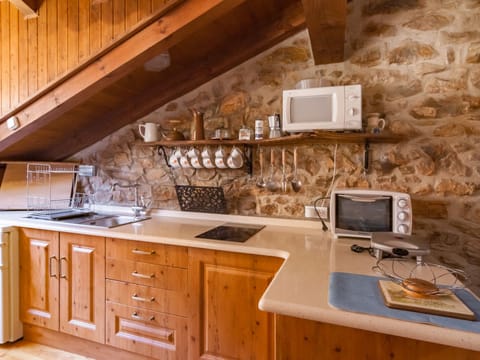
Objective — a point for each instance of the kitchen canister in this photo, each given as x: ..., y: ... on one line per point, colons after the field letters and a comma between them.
x: 258, y: 129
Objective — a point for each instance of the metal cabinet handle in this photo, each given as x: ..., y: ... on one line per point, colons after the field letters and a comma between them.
x: 142, y: 276
x: 139, y: 298
x: 50, y: 260
x: 143, y: 252
x: 62, y: 276
x: 138, y: 317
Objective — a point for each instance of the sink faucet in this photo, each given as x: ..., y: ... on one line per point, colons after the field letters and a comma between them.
x: 139, y: 206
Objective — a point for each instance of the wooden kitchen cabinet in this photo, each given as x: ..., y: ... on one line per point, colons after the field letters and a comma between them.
x: 62, y: 279
x: 147, y: 298
x: 313, y: 340
x: 225, y: 322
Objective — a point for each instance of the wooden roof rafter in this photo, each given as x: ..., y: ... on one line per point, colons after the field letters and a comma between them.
x: 326, y: 21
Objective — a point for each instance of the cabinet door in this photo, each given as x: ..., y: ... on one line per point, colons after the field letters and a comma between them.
x: 38, y: 277
x: 312, y: 340
x: 225, y: 320
x: 82, y: 286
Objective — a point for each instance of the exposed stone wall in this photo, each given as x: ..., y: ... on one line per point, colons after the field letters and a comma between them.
x: 419, y: 64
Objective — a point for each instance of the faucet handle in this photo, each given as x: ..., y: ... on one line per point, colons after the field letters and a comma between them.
x: 141, y: 208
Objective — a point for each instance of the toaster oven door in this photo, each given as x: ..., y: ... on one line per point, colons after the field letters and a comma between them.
x: 358, y: 215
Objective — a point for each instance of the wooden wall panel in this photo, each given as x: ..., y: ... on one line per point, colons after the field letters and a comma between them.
x: 14, y: 59
x: 22, y: 49
x: 42, y: 48
x: 5, y: 50
x: 32, y: 59
x: 39, y: 51
x: 95, y: 22
x: 52, y: 40
x: 62, y: 26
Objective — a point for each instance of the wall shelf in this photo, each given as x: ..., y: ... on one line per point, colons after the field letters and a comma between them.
x: 297, y: 139
x: 325, y: 137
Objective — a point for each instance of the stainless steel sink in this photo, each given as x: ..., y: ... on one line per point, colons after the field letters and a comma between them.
x: 91, y: 219
x: 104, y: 220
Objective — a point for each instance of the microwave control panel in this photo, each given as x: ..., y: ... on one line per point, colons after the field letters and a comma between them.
x: 353, y: 107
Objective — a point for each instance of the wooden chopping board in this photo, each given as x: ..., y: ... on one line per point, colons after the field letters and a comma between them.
x: 13, y: 187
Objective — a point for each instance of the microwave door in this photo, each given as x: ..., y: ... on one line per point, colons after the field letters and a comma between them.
x: 311, y: 109
x: 314, y: 112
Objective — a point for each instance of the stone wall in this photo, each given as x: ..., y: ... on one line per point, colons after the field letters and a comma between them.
x: 419, y: 64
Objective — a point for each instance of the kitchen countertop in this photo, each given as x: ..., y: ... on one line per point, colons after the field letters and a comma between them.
x: 300, y: 287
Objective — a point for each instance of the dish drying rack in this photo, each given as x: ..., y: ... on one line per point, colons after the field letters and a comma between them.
x: 41, y: 191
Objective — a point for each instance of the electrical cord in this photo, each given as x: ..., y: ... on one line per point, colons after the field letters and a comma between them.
x: 324, y: 226
x: 334, y: 174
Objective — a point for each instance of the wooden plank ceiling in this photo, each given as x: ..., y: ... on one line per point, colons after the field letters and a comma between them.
x: 204, y: 38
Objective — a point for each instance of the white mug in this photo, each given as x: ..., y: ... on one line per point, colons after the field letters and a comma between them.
x: 193, y: 153
x: 235, y: 162
x: 220, y: 153
x: 206, y: 152
x: 174, y: 162
x: 174, y: 159
x: 208, y: 162
x: 184, y: 162
x: 236, y: 153
x: 220, y: 163
x: 196, y: 162
x: 148, y: 131
x: 375, y: 124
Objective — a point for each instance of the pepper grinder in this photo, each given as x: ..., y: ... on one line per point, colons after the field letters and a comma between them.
x: 197, y: 126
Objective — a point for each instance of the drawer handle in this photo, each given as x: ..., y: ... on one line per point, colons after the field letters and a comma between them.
x: 143, y: 252
x: 139, y: 298
x: 138, y: 317
x: 142, y: 276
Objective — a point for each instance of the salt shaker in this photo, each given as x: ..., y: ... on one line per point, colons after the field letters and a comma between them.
x: 258, y: 129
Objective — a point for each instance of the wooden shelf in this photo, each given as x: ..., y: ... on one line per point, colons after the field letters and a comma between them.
x: 297, y: 139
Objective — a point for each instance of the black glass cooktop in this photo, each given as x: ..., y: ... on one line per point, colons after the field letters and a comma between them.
x: 231, y: 232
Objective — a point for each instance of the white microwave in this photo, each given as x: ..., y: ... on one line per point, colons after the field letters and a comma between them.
x: 361, y: 212
x: 337, y: 108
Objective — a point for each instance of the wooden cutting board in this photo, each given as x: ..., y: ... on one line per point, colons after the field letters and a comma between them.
x: 13, y: 186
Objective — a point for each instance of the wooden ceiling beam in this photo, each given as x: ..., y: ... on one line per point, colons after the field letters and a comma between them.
x: 326, y: 21
x: 187, y: 79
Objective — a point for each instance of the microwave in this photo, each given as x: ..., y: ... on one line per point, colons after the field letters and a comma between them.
x: 361, y: 212
x: 336, y: 108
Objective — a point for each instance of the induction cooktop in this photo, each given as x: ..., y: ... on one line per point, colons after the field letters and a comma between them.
x: 231, y: 232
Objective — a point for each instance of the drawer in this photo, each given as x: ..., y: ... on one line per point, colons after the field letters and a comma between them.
x: 159, y: 276
x: 146, y: 332
x: 166, y: 301
x: 147, y: 252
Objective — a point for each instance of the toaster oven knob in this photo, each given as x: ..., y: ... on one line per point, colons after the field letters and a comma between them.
x: 352, y: 111
x: 402, y: 215
x: 402, y: 229
x: 402, y: 203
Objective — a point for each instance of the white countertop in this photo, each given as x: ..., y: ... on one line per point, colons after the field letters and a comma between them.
x: 300, y: 287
